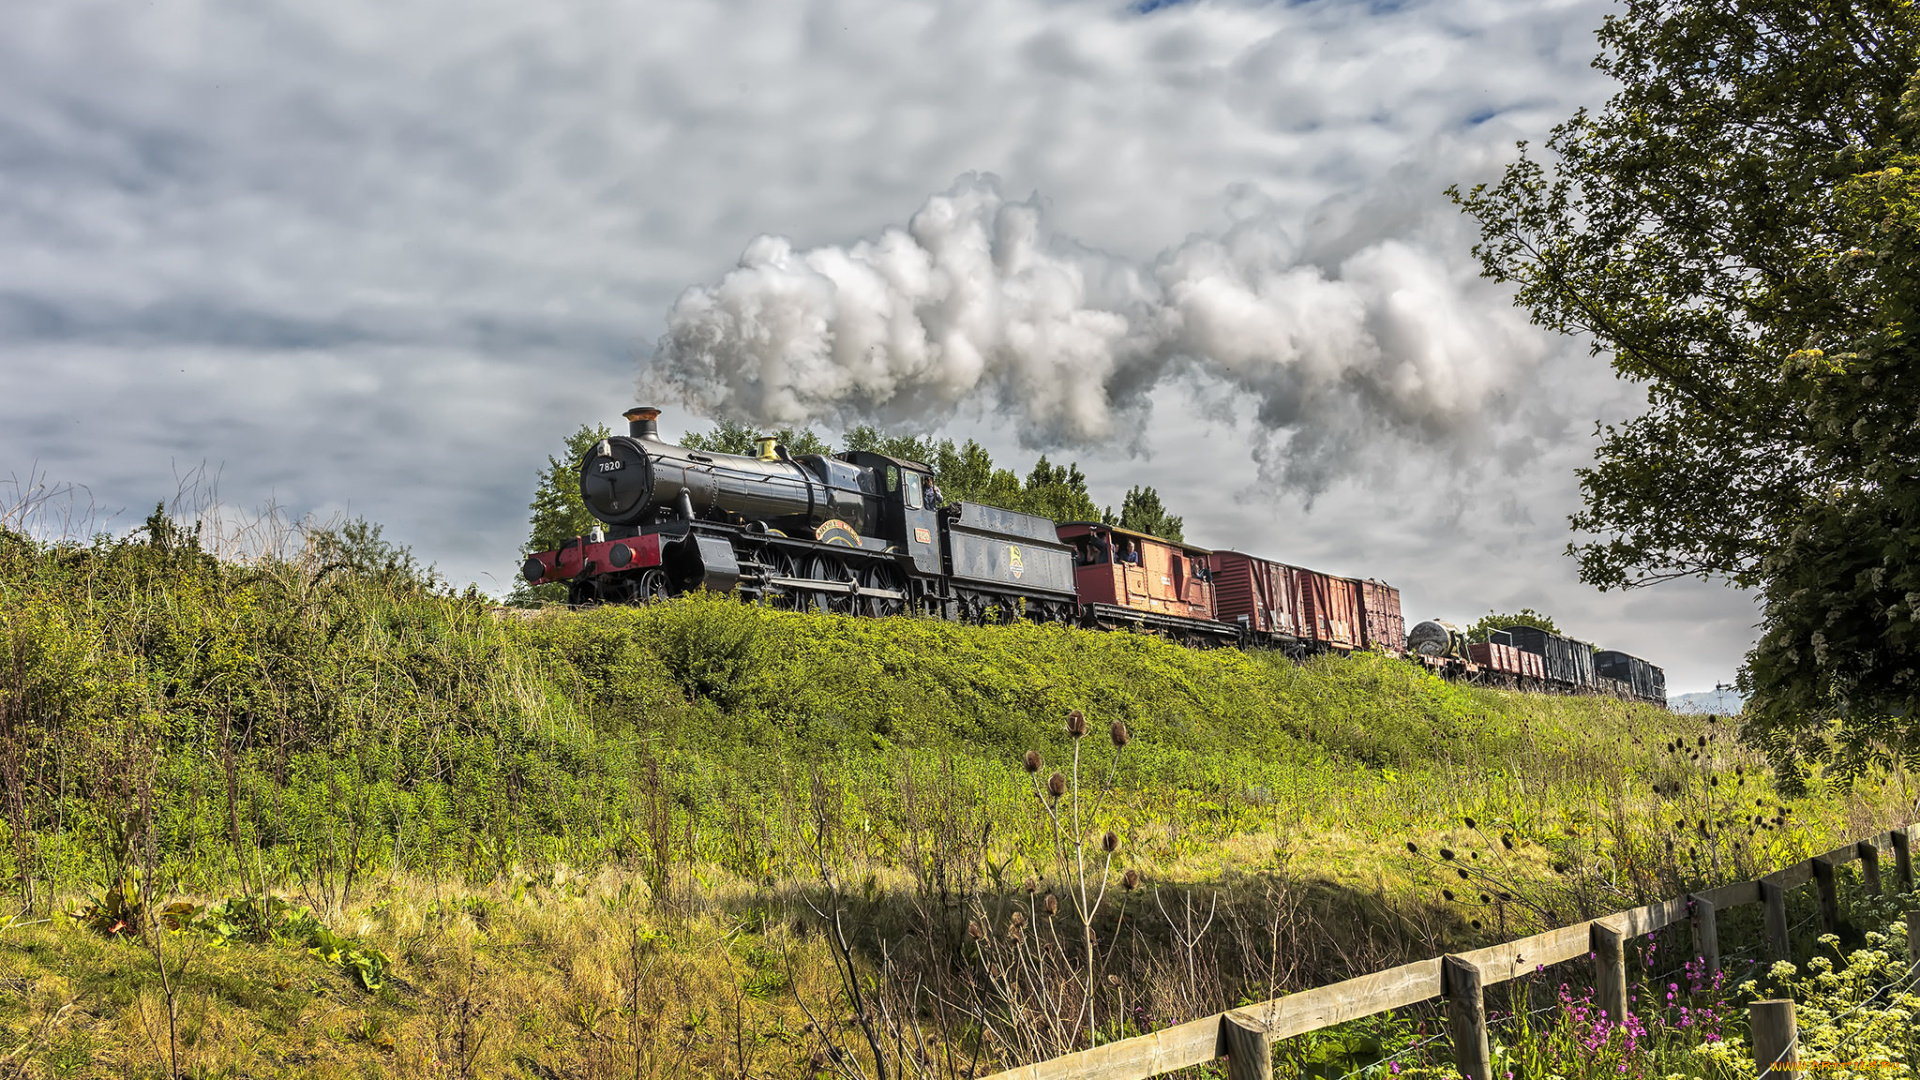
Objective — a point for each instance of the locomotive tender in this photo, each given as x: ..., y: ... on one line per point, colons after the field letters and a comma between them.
x: 865, y: 533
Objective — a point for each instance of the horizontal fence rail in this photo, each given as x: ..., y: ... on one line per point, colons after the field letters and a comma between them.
x: 1463, y: 977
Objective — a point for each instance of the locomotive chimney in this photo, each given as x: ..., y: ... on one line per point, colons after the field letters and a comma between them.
x: 643, y: 422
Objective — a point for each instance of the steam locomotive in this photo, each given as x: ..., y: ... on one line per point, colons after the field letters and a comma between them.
x: 857, y: 532
x: 865, y: 533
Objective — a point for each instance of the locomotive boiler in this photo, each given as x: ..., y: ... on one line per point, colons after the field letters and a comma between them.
x: 857, y: 532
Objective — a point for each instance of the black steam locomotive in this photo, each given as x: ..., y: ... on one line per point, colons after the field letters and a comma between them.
x: 856, y: 532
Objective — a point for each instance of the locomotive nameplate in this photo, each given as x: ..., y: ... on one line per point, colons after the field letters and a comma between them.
x: 835, y: 531
x: 923, y: 536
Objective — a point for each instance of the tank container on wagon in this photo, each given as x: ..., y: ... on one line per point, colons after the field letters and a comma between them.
x: 1330, y: 609
x: 1386, y: 627
x: 1262, y: 592
x: 1567, y: 661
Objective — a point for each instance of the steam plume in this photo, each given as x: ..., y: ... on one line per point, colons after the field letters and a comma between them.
x: 977, y: 303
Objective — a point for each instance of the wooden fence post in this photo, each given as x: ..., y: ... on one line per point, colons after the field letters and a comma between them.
x: 1776, y: 1039
x: 1610, y: 970
x: 1902, y: 860
x: 1913, y: 937
x: 1706, y: 935
x: 1249, y: 1050
x: 1775, y: 900
x: 1467, y: 1016
x: 1829, y: 896
x: 1870, y: 866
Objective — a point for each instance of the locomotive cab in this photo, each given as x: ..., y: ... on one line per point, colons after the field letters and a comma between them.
x: 905, y: 518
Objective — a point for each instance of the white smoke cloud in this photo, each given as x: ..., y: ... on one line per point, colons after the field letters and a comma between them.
x: 976, y: 303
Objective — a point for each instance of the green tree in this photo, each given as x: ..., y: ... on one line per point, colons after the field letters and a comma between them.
x: 1839, y: 651
x: 1058, y: 492
x: 905, y: 447
x: 1721, y: 230
x: 728, y: 437
x: 1483, y: 629
x: 559, y: 514
x: 1142, y: 511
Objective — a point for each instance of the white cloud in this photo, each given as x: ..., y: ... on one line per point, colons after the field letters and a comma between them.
x: 385, y: 255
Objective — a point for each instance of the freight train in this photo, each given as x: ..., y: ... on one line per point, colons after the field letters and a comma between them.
x: 865, y: 533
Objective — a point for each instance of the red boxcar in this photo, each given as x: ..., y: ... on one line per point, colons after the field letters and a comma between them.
x: 1386, y: 627
x: 1130, y: 578
x: 1330, y: 610
x: 1259, y: 594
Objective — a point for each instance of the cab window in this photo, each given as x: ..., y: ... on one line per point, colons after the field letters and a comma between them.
x: 913, y: 492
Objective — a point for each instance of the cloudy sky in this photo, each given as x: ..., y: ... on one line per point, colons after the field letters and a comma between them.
x: 380, y: 258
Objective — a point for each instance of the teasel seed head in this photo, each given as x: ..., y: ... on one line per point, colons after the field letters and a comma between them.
x: 1448, y: 893
x: 1033, y: 761
x: 1121, y: 736
x: 1050, y: 905
x: 1413, y: 848
x: 1056, y: 785
x: 1506, y: 841
x: 1109, y: 843
x: 1463, y: 873
x: 1446, y: 853
x: 1076, y: 723
x: 1130, y: 880
x: 974, y: 931
x: 1469, y: 822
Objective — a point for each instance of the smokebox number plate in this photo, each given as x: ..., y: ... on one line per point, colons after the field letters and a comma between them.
x: 612, y: 466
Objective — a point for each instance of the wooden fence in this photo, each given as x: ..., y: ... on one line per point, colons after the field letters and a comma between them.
x: 1245, y: 1036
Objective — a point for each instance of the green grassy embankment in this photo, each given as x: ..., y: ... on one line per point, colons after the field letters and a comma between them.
x: 601, y: 843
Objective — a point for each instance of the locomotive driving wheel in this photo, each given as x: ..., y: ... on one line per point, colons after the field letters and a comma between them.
x: 881, y: 575
x: 826, y: 568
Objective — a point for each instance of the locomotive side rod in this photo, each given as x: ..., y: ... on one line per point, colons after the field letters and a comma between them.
x: 849, y: 588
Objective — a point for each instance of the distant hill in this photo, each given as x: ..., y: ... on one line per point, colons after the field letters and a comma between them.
x: 1719, y: 702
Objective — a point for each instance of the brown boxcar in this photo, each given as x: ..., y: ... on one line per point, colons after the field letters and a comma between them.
x: 1330, y: 610
x: 1258, y: 594
x: 1386, y: 627
x: 1130, y: 578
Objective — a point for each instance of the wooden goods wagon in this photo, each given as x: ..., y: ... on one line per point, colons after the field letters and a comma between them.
x: 1260, y: 595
